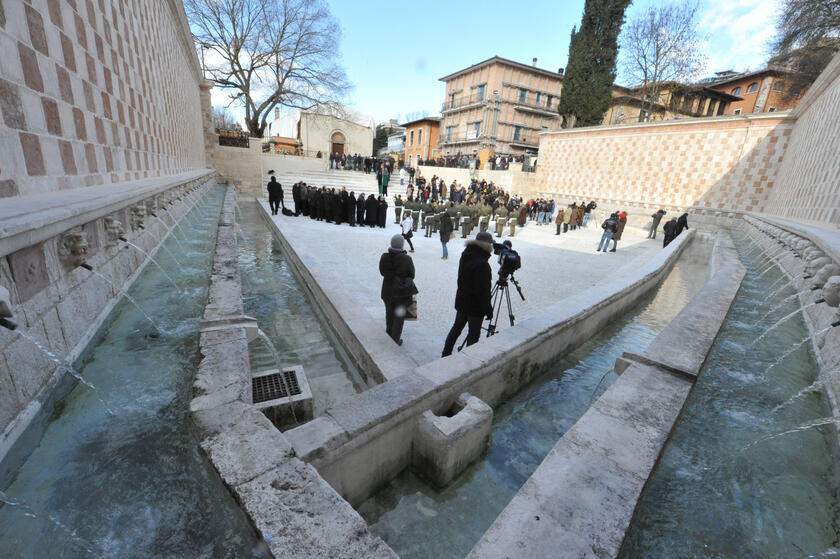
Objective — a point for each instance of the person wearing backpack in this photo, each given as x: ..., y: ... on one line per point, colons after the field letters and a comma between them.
x: 398, y: 287
x: 610, y: 226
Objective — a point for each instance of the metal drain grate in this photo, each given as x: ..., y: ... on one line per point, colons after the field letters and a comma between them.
x: 270, y: 387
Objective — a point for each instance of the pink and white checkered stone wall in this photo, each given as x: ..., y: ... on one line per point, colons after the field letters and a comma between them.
x: 724, y: 164
x: 787, y: 164
x: 808, y: 179
x: 95, y: 92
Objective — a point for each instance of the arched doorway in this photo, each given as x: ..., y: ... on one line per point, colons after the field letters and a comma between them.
x: 337, y: 142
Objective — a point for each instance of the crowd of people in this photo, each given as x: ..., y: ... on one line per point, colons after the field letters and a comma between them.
x: 356, y: 162
x: 339, y: 206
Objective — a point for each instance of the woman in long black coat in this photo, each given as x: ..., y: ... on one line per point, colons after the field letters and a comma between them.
x: 360, y: 209
x: 371, y: 210
x: 382, y: 214
x: 351, y: 209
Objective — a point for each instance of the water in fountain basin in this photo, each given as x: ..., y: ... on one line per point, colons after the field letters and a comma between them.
x: 280, y: 304
x: 169, y: 233
x: 815, y: 386
x: 268, y: 344
x: 134, y: 484
x: 419, y: 522
x: 128, y: 297
x: 782, y: 321
x: 777, y: 501
x: 153, y: 261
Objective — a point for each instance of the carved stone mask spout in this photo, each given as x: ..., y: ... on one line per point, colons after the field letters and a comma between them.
x: 73, y: 249
x: 138, y: 215
x: 113, y: 229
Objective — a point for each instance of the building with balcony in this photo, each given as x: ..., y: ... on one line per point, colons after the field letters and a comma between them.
x: 765, y: 91
x: 674, y: 100
x: 421, y: 140
x: 498, y: 106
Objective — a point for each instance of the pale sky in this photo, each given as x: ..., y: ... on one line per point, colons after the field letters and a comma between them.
x: 394, y: 54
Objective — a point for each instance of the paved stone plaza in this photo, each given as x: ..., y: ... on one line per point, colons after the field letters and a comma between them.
x: 553, y: 268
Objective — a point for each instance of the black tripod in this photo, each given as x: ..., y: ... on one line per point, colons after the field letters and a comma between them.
x: 501, y: 292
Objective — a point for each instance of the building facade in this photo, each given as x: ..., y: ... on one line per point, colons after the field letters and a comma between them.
x: 674, y: 101
x: 498, y: 106
x: 765, y: 91
x: 327, y: 129
x: 421, y: 140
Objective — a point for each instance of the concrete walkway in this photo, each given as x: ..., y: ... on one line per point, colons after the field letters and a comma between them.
x: 553, y: 268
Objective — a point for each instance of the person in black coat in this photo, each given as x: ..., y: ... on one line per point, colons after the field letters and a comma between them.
x: 360, y: 210
x: 342, y: 206
x: 396, y: 265
x: 275, y: 195
x: 382, y: 212
x: 670, y: 230
x: 371, y: 211
x: 319, y: 204
x: 682, y: 223
x: 351, y: 209
x: 472, y: 300
x: 296, y: 198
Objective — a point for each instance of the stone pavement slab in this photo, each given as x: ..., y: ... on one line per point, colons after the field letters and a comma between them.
x: 553, y: 268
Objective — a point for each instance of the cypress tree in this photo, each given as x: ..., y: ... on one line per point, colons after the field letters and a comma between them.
x: 590, y: 72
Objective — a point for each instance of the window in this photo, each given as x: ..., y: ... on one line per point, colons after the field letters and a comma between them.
x: 548, y: 100
x: 420, y: 137
x: 479, y: 92
x: 523, y: 94
x: 477, y: 127
x: 736, y: 112
x: 451, y: 100
x: 779, y: 85
x: 517, y: 130
x: 753, y: 87
x: 537, y: 100
x: 448, y: 133
x: 736, y: 91
x: 771, y: 109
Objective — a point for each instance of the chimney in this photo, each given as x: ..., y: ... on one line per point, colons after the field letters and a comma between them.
x: 276, y: 112
x: 534, y: 62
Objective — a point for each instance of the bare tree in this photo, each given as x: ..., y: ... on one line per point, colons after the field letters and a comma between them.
x: 808, y: 37
x: 660, y: 46
x: 223, y: 120
x: 269, y: 53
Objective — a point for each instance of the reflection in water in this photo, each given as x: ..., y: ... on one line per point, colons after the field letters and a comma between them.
x: 726, y: 485
x: 133, y: 484
x: 273, y: 297
x: 417, y: 521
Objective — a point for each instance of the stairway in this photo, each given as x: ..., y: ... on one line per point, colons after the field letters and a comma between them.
x: 355, y: 181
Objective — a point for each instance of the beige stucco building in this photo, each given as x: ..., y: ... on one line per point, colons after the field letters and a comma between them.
x: 326, y: 130
x: 499, y: 105
x: 674, y: 101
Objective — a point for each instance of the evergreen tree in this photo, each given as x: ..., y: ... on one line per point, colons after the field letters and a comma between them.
x: 590, y: 72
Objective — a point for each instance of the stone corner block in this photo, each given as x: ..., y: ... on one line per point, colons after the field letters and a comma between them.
x: 445, y: 445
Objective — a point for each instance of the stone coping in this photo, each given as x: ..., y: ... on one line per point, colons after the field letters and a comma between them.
x: 362, y: 443
x: 28, y: 220
x: 582, y: 497
x: 290, y: 506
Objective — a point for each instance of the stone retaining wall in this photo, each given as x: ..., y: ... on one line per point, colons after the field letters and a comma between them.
x: 582, y: 497
x: 59, y: 303
x: 296, y: 512
x: 364, y: 442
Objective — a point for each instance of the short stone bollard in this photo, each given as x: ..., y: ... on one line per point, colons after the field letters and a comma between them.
x: 444, y: 446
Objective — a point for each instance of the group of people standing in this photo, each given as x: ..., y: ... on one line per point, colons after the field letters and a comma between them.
x: 613, y: 228
x: 339, y: 206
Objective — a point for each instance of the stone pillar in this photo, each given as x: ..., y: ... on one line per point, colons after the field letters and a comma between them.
x: 210, y: 138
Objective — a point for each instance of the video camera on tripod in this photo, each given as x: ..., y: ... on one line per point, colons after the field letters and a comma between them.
x: 509, y: 262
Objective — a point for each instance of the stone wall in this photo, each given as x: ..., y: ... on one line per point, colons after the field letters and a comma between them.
x: 707, y: 165
x: 95, y: 93
x: 61, y: 304
x: 808, y: 179
x: 241, y: 166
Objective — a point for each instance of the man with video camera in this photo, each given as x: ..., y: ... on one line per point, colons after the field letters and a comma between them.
x: 472, y: 300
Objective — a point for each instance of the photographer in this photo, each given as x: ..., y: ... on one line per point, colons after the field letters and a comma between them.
x: 472, y: 300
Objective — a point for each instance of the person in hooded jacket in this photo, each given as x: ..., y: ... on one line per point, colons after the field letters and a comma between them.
x: 360, y: 209
x: 682, y: 223
x: 610, y: 226
x: 371, y: 211
x: 445, y: 233
x: 397, y: 269
x: 670, y: 230
x: 472, y: 300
